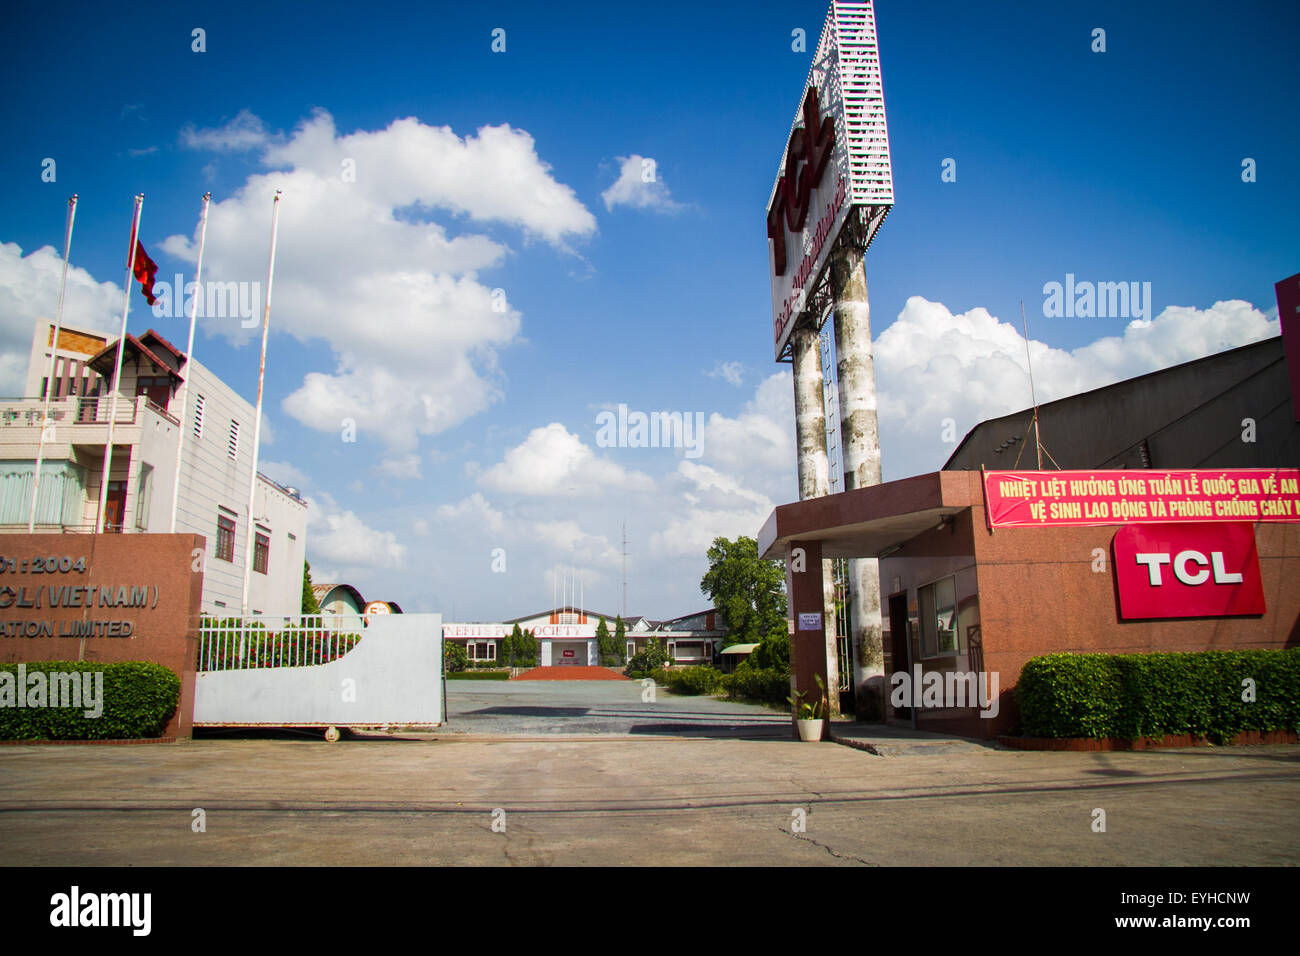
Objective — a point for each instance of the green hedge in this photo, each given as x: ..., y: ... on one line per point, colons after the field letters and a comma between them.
x: 702, y: 679
x: 768, y: 685
x: 1127, y: 696
x: 139, y: 697
x: 478, y: 675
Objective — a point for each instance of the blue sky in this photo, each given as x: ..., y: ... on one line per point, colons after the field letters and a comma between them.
x: 1116, y: 166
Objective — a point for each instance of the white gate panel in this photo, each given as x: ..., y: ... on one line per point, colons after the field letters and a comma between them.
x: 393, y: 676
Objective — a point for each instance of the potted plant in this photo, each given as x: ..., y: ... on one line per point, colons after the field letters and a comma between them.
x: 810, y: 716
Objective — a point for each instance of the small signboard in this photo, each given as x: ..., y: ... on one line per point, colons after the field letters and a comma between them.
x: 810, y: 622
x: 569, y: 654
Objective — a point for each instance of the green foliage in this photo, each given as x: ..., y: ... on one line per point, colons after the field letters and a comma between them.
x: 1127, y: 696
x: 478, y: 675
x: 139, y: 697
x: 690, y: 680
x: 228, y: 643
x: 648, y: 663
x: 810, y: 710
x: 456, y: 658
x: 612, y: 646
x: 519, y: 649
x: 773, y: 652
x: 764, y: 685
x: 749, y: 592
x: 309, y: 603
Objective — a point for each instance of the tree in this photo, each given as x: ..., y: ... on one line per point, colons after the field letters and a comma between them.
x: 620, y: 640
x: 513, y: 651
x: 748, y: 591
x: 309, y: 603
x: 605, y: 643
x: 457, y: 659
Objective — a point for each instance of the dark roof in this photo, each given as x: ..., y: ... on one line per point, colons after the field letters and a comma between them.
x: 154, y: 337
x: 105, y: 361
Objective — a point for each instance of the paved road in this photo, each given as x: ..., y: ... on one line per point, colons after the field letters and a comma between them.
x: 533, y: 708
x: 641, y: 801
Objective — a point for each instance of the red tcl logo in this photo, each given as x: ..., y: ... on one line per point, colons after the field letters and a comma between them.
x: 810, y: 147
x: 1208, y: 569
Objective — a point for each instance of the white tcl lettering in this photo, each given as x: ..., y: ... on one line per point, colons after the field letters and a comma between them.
x: 1181, y: 562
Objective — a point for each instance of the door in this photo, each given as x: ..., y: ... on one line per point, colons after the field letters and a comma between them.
x: 158, y: 389
x: 116, y: 506
x: 900, y: 646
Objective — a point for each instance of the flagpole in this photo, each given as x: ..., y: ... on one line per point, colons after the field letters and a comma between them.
x: 189, y: 357
x: 117, y: 370
x: 54, y: 348
x: 250, y: 537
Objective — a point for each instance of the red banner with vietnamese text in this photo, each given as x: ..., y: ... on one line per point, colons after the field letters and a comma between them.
x: 1029, y: 498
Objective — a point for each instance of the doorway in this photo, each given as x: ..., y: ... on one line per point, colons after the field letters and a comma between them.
x: 899, y: 645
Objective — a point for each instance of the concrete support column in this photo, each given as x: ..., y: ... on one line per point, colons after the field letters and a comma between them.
x: 814, y: 481
x: 860, y: 445
x: 804, y: 585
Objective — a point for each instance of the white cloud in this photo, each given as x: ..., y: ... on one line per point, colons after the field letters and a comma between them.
x: 29, y: 290
x: 285, y: 474
x: 732, y: 373
x: 707, y: 504
x: 639, y: 186
x: 361, y: 265
x: 932, y: 365
x: 403, y: 466
x: 553, y: 461
x: 246, y: 131
x: 759, y: 442
x: 340, y: 536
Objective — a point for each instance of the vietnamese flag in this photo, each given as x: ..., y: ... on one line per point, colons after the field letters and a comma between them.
x: 145, y: 271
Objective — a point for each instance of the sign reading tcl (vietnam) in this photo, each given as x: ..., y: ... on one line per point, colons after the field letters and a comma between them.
x: 1204, y: 569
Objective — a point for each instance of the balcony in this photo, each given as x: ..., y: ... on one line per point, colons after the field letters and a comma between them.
x: 73, y: 421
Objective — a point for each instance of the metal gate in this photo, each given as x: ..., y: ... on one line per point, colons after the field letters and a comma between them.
x: 329, y: 670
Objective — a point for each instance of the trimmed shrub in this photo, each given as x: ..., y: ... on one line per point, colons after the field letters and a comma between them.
x: 139, y: 697
x: 648, y: 663
x: 767, y: 685
x: 692, y: 680
x: 478, y: 675
x: 1127, y: 696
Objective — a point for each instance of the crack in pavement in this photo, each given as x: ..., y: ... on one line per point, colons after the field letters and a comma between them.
x: 839, y: 856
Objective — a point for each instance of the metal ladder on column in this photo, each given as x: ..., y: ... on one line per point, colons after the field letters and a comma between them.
x: 834, y: 458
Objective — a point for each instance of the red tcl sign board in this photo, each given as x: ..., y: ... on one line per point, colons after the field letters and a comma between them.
x: 1208, y: 569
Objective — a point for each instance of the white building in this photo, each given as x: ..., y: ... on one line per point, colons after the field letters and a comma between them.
x: 567, y: 635
x: 217, y: 462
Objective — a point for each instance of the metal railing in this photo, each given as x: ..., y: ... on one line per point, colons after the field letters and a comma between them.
x: 92, y: 410
x: 257, y: 642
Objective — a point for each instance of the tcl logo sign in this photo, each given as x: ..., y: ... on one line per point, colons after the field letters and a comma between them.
x: 806, y: 157
x: 1188, y: 570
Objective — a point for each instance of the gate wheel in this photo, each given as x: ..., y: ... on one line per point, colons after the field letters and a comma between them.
x: 332, y: 735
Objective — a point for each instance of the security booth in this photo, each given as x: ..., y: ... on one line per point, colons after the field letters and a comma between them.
x: 981, y: 571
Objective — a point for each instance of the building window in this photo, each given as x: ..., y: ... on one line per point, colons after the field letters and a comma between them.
x: 938, y: 606
x: 482, y: 650
x: 261, y: 551
x: 225, y: 536
x: 143, y: 494
x: 232, y: 447
x: 198, y: 416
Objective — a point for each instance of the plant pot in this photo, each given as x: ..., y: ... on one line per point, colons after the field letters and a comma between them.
x: 810, y: 730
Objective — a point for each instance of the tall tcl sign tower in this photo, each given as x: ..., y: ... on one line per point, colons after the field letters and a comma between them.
x: 833, y: 189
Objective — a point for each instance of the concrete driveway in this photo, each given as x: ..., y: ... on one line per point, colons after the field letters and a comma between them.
x: 543, y: 708
x: 640, y: 801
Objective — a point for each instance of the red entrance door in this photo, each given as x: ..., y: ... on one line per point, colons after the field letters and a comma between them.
x: 116, y: 506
